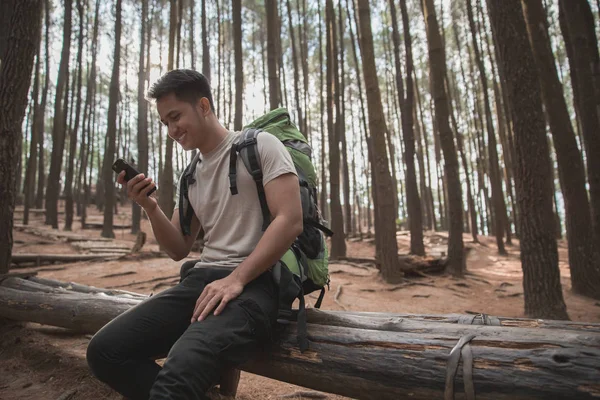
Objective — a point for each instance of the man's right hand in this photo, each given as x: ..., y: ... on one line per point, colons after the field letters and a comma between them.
x: 137, y: 190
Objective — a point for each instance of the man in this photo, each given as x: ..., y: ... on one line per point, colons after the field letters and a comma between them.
x: 227, y: 305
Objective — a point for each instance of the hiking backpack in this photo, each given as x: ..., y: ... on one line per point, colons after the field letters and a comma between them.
x: 304, y: 267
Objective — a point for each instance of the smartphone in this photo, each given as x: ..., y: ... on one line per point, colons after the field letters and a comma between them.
x: 130, y: 172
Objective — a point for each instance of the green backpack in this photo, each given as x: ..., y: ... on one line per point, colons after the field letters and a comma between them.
x: 304, y: 267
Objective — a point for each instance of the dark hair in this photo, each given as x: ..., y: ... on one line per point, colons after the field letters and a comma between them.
x: 187, y: 85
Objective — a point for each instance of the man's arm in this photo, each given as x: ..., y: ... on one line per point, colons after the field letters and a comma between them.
x: 283, y: 198
x: 167, y: 233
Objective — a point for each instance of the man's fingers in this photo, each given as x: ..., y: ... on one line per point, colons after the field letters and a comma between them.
x: 209, y: 307
x: 133, y: 181
x: 149, y: 187
x: 197, y: 310
x: 222, y: 305
x: 121, y: 178
x: 201, y: 304
x: 138, y: 187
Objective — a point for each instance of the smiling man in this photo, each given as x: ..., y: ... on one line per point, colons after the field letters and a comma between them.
x: 226, y: 306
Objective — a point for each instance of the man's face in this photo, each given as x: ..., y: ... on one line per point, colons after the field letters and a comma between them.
x: 184, y: 121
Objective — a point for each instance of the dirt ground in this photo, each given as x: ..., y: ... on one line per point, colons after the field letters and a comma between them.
x: 41, y: 362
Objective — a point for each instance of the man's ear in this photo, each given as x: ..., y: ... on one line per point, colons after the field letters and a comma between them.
x: 205, y: 106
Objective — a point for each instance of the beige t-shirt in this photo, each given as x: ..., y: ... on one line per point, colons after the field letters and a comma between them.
x: 232, y: 224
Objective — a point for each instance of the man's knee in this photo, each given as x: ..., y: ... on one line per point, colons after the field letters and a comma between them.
x: 98, y: 358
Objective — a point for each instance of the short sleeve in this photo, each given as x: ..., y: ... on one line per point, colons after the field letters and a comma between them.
x: 274, y: 157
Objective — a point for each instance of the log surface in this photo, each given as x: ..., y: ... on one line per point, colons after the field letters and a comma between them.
x: 370, y: 355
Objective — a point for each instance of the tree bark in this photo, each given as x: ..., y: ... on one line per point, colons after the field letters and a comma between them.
x: 205, y: 47
x: 165, y: 196
x: 272, y: 32
x: 539, y: 254
x: 406, y: 106
x: 113, y: 100
x: 338, y: 242
x: 74, y: 129
x: 391, y: 347
x: 239, y: 69
x: 192, y: 39
x: 583, y: 256
x: 323, y: 195
x: 29, y: 186
x: 298, y: 105
x: 431, y: 221
x: 437, y: 59
x: 385, y: 227
x: 59, y: 124
x: 497, y: 195
x: 41, y: 181
x: 347, y: 210
x: 142, y: 117
x: 15, y: 79
x: 577, y: 25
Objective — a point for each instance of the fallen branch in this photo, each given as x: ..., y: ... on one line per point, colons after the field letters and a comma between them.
x: 351, y: 264
x: 380, y: 355
x: 38, y: 259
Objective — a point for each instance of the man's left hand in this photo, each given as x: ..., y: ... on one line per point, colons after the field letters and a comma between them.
x: 217, y: 294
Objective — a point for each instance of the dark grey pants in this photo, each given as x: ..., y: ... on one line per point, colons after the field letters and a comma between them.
x: 123, y: 353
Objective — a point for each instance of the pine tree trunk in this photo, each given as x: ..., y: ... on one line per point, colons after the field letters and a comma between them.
x: 298, y: 105
x: 323, y: 196
x: 577, y: 25
x: 165, y: 197
x: 431, y: 223
x: 59, y: 125
x: 338, y: 243
x: 437, y: 59
x: 472, y: 220
x: 342, y: 126
x: 385, y: 227
x: 539, y: 254
x: 33, y: 144
x: 503, y: 127
x: 363, y: 115
x: 41, y: 181
x: 113, y: 100
x: 391, y: 106
x: 142, y: 120
x: 192, y: 39
x: 91, y: 100
x: 304, y: 60
x: 272, y: 32
x: 205, y: 47
x: 407, y: 105
x: 179, y: 18
x: 74, y: 129
x: 15, y: 79
x: 239, y: 71
x: 497, y: 195
x: 583, y: 256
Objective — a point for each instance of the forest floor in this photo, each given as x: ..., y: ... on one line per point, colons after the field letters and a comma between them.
x: 40, y: 362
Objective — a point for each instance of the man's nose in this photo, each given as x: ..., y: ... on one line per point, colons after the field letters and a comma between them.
x: 172, y: 129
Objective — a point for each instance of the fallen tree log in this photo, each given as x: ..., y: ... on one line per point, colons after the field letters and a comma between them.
x: 57, y: 235
x: 377, y: 355
x: 100, y: 225
x: 410, y: 265
x: 38, y: 259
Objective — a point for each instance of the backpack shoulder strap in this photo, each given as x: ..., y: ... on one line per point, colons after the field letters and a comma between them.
x: 186, y: 212
x: 247, y: 147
